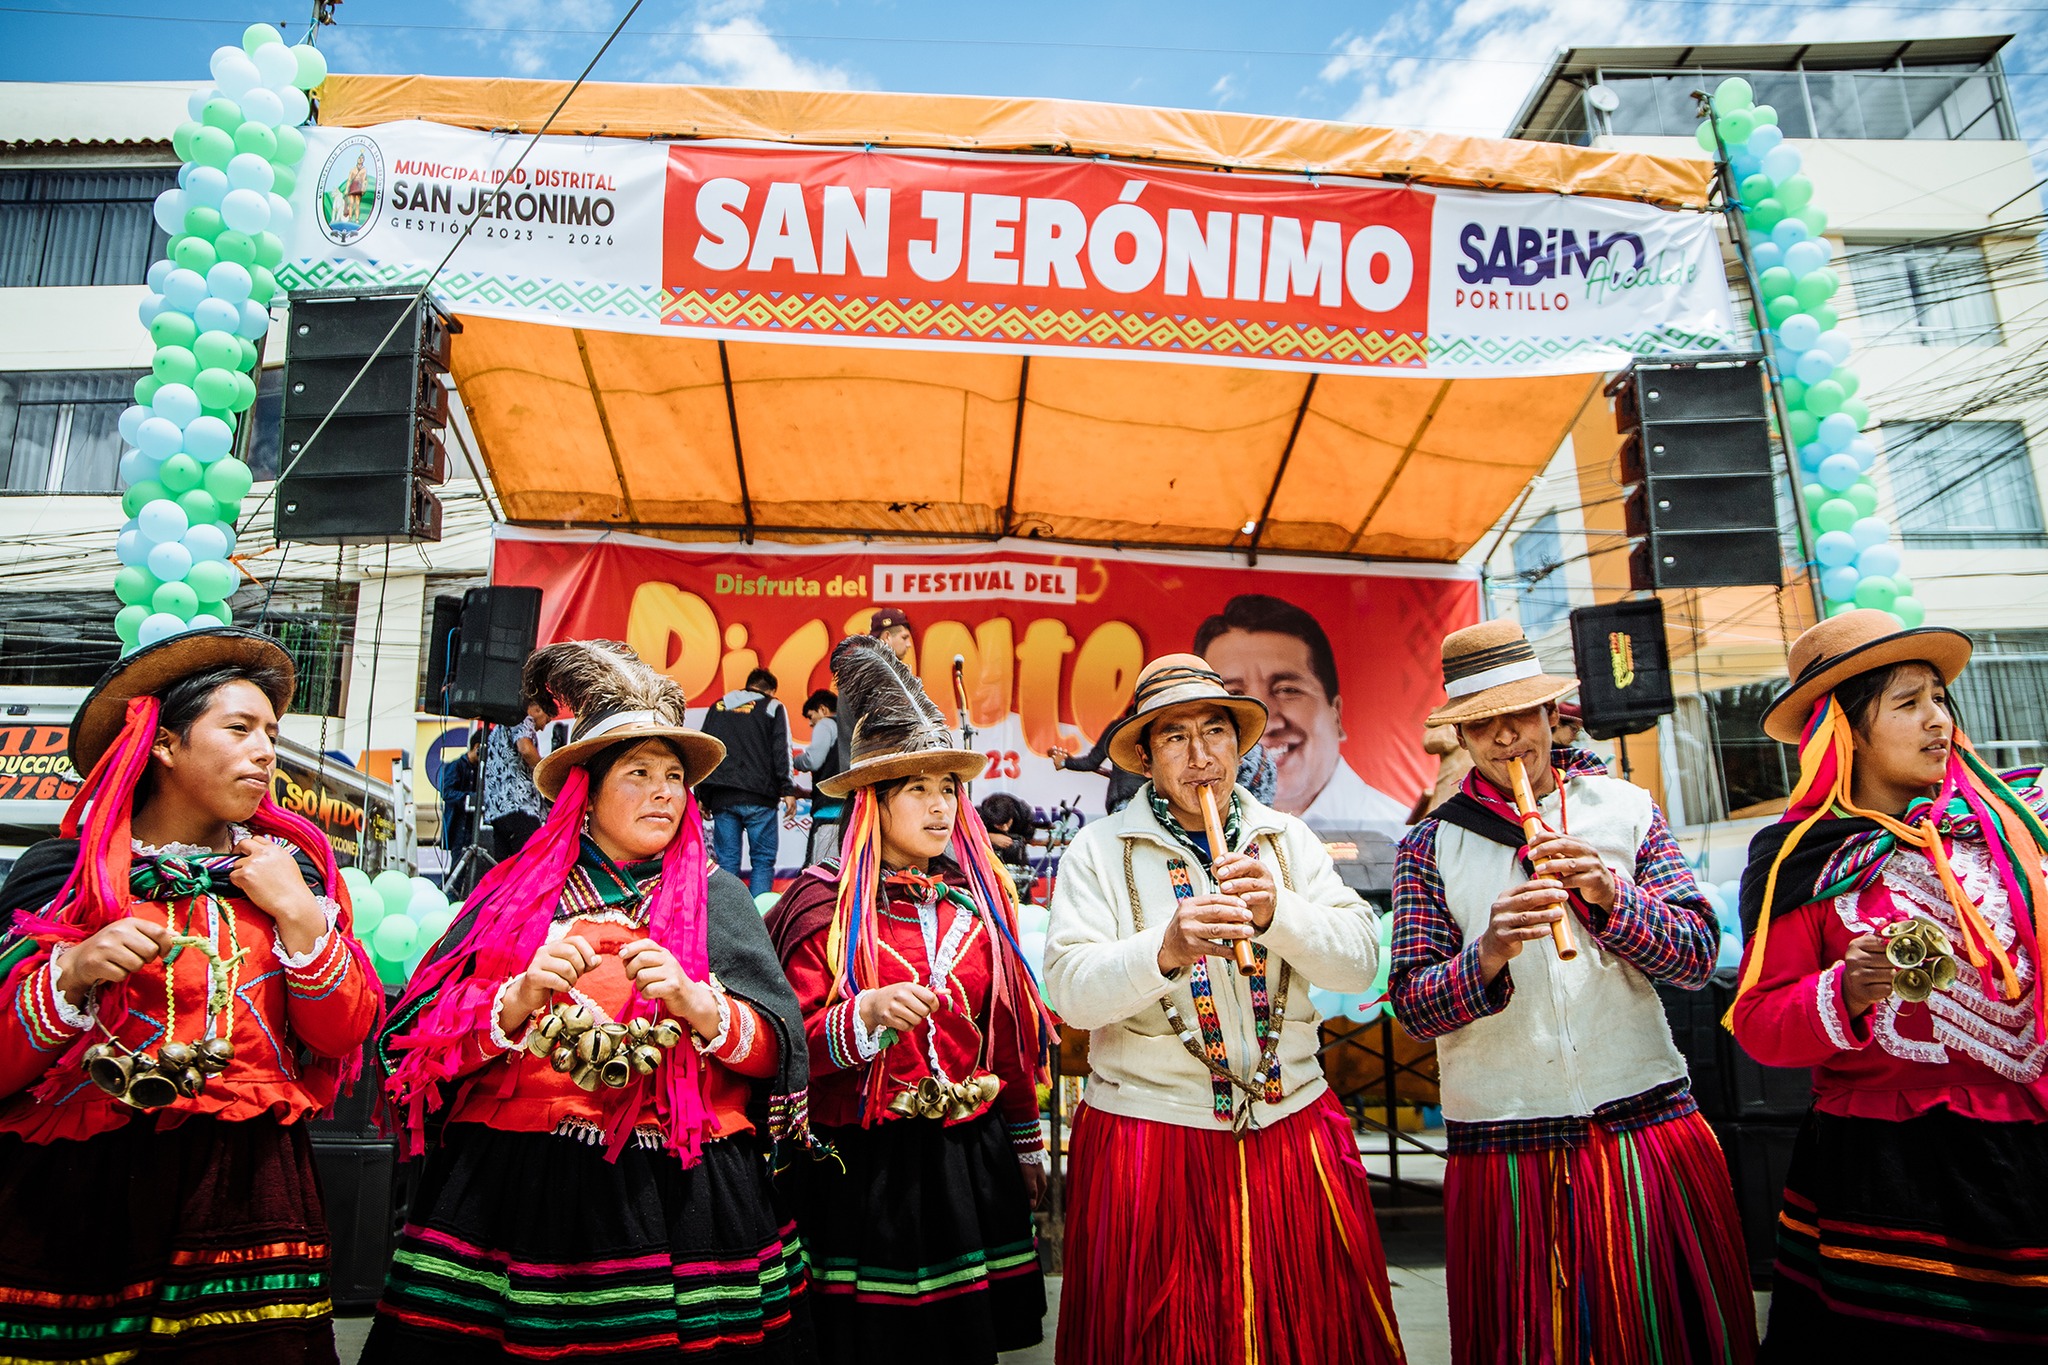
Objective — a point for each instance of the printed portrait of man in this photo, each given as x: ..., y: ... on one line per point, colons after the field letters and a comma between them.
x: 1268, y: 648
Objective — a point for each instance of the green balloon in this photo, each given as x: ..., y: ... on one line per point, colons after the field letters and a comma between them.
x: 145, y: 391
x: 175, y: 599
x: 128, y: 623
x: 1805, y: 426
x: 1836, y: 514
x: 1764, y: 215
x: 199, y: 506
x: 247, y: 362
x: 269, y: 249
x: 174, y: 365
x: 1824, y: 399
x: 1863, y: 494
x: 134, y: 586
x: 259, y: 35
x: 433, y: 924
x: 1903, y: 584
x: 1815, y: 494
x: 256, y: 140
x: 1780, y: 308
x: 262, y: 285
x: 396, y: 935
x: 1848, y: 379
x: 238, y: 247
x: 1795, y: 192
x: 389, y: 972
x: 1909, y: 611
x: 1840, y: 608
x: 223, y: 114
x: 172, y: 328
x: 1817, y: 287
x: 195, y: 254
x: 291, y: 147
x: 203, y: 223
x: 395, y: 889
x: 1704, y: 135
x: 1795, y: 392
x: 1755, y: 188
x: 1826, y: 317
x: 1736, y: 127
x: 180, y: 474
x: 245, y: 394
x: 212, y: 147
x: 1777, y: 282
x: 1875, y: 591
x: 212, y: 580
x: 141, y: 495
x: 1732, y: 94
x: 1858, y: 410
x: 312, y: 67
x: 182, y: 138
x: 228, y: 480
x: 216, y: 388
x: 366, y: 909
x: 217, y: 350
x: 1816, y: 221
x: 225, y: 414
x: 1764, y: 114
x: 284, y: 179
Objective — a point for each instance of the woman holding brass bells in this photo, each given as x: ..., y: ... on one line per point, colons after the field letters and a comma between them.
x: 925, y: 1033
x: 1897, y: 912
x: 183, y: 990
x: 614, y: 1055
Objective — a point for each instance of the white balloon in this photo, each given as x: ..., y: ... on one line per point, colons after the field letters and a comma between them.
x: 245, y: 211
x: 131, y: 549
x: 160, y: 437
x: 170, y: 561
x: 248, y: 171
x: 206, y: 186
x: 131, y: 420
x: 228, y: 282
x: 159, y: 272
x: 1835, y: 345
x: 183, y: 289
x: 280, y: 214
x: 235, y: 74
x: 260, y: 104
x: 158, y: 625
x: 169, y: 211
x: 208, y: 438
x: 217, y: 315
x: 151, y: 305
x: 205, y: 541
x: 277, y: 64
x: 195, y: 103
x: 255, y: 320
x: 296, y: 108
x: 206, y: 620
x: 177, y: 404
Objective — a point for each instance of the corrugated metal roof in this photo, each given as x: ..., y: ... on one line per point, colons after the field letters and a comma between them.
x: 90, y: 113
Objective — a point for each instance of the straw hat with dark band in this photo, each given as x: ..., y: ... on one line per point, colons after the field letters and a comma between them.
x: 153, y: 669
x: 1491, y: 670
x: 618, y: 699
x: 896, y: 730
x: 1180, y: 680
x: 1829, y: 654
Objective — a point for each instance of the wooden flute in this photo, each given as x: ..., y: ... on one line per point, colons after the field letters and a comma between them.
x: 1532, y: 830
x: 1217, y: 848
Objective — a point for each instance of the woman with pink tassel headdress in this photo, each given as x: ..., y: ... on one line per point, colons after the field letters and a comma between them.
x: 596, y: 1061
x: 926, y: 1033
x: 182, y: 990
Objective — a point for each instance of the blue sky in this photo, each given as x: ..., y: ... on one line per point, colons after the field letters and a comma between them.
x: 1460, y: 67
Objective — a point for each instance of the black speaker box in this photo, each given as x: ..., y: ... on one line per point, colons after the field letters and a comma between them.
x: 442, y: 636
x: 345, y: 509
x: 387, y: 443
x: 500, y: 626
x: 365, y: 1198
x: 1729, y: 1085
x: 1624, y: 669
x: 1759, y: 1156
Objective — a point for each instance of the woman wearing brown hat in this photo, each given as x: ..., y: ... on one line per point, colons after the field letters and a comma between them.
x: 1587, y: 1208
x: 1898, y: 912
x: 612, y: 1050
x: 926, y: 1035
x: 182, y: 991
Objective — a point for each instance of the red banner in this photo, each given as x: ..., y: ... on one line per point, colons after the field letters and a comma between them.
x: 1347, y: 661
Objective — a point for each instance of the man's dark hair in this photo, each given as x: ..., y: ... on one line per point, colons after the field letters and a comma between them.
x: 476, y: 737
x: 824, y: 699
x: 1255, y: 611
x: 1859, y: 695
x: 1007, y: 814
x: 185, y: 701
x: 761, y: 680
x: 1145, y: 730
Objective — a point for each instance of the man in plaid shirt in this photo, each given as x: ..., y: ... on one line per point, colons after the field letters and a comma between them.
x: 1587, y: 1206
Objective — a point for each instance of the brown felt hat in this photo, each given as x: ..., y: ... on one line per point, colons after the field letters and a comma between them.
x: 1181, y: 680
x: 1837, y: 649
x: 153, y: 668
x: 895, y: 729
x: 1491, y: 670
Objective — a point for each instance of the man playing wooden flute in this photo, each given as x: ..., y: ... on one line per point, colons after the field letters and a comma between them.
x: 1217, y: 1212
x: 1587, y: 1208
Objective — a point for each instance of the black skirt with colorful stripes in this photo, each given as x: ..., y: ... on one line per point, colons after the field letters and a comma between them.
x: 922, y: 1244
x: 1919, y: 1239
x: 533, y: 1247
x: 199, y: 1241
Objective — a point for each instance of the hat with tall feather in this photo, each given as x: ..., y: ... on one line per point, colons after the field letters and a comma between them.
x: 897, y: 730
x: 617, y: 698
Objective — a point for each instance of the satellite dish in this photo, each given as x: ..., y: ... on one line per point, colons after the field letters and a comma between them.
x: 1603, y: 98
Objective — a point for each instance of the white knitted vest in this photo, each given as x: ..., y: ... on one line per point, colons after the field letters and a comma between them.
x: 1576, y: 1035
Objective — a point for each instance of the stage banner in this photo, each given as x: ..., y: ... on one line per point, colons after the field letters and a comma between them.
x: 1018, y: 254
x: 1050, y: 647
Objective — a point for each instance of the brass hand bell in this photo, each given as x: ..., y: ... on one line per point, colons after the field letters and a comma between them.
x: 646, y: 1057
x: 616, y: 1071
x: 108, y: 1067
x: 214, y: 1055
x: 148, y: 1087
x: 1922, y: 958
x: 666, y: 1033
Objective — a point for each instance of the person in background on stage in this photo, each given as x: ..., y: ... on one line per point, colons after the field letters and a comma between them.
x: 601, y: 1053
x: 927, y: 1039
x: 1569, y: 725
x: 891, y: 625
x: 1915, y: 1224
x: 457, y: 785
x: 752, y: 781
x: 1011, y: 827
x: 1217, y: 1211
x: 182, y: 992
x: 1123, y: 784
x: 1587, y: 1208
x: 821, y: 759
x: 513, y: 806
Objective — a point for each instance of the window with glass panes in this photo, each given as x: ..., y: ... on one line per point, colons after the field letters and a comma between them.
x: 1944, y: 102
x: 80, y: 227
x: 1923, y: 294
x: 1959, y: 485
x: 1540, y: 595
x: 59, y: 429
x: 2001, y: 699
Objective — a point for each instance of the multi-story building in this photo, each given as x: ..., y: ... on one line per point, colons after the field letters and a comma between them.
x: 1934, y: 215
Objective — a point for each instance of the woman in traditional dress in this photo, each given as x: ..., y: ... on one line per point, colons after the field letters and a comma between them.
x: 925, y: 1033
x: 182, y: 991
x: 607, y: 1049
x: 1897, y: 913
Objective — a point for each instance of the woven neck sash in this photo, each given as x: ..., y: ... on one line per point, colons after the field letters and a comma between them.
x: 1232, y: 824
x: 171, y: 877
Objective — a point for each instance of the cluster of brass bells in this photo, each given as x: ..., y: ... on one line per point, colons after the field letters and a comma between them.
x: 178, y: 1071
x: 1923, y: 960
x: 590, y: 1053
x: 936, y: 1099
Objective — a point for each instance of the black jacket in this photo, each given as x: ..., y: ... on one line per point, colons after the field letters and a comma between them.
x: 756, y: 771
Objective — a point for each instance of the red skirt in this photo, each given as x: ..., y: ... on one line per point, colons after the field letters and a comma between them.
x: 1189, y: 1246
x: 1625, y: 1249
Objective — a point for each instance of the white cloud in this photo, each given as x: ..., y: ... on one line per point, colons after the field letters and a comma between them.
x: 534, y: 44
x: 730, y: 45
x: 1225, y: 88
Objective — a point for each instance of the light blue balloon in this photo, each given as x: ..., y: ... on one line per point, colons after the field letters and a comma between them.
x: 208, y: 185
x: 248, y: 171
x: 159, y: 438
x: 1835, y: 549
x: 1767, y: 254
x: 162, y: 521
x: 255, y: 320
x: 1814, y: 365
x: 151, y: 305
x: 137, y: 467
x: 158, y: 272
x: 1799, y: 331
x: 159, y: 625
x: 131, y: 420
x: 1837, y: 472
x: 1835, y: 344
x: 131, y: 549
x: 1789, y: 233
x: 176, y: 403
x: 1767, y: 138
x: 1839, y: 583
x: 280, y: 214
x: 1811, y: 455
x: 1863, y: 452
x: 216, y: 314
x: 183, y: 289
x: 1879, y: 561
x: 1869, y: 531
x: 208, y: 438
x: 229, y: 283
x: 1730, y: 954
x: 1805, y: 257
x: 1838, y: 431
x: 206, y: 542
x: 170, y: 561
x: 1744, y: 162
x: 1782, y: 162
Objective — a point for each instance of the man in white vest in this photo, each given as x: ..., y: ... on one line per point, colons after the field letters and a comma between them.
x: 1587, y: 1206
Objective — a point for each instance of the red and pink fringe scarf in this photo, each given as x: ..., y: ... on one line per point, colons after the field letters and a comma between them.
x: 1019, y: 1022
x: 514, y: 906
x: 2015, y: 838
x: 96, y: 894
